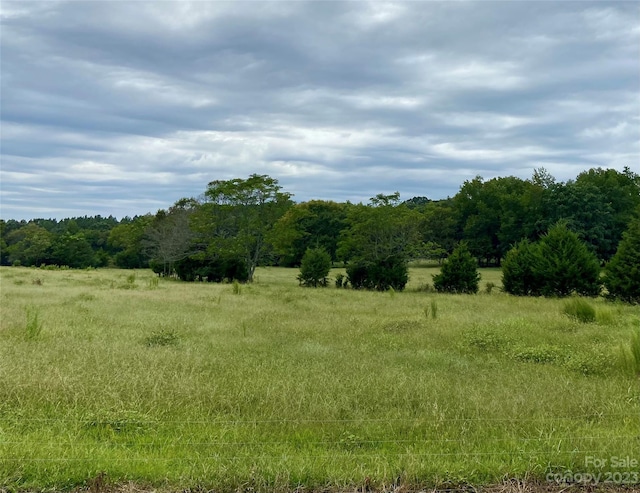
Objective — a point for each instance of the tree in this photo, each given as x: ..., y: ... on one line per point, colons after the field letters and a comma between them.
x: 316, y: 264
x: 308, y: 225
x: 169, y: 237
x: 379, y: 240
x: 518, y: 270
x: 29, y: 245
x: 492, y: 215
x: 559, y: 264
x: 72, y: 250
x: 459, y: 274
x: 565, y: 264
x: 126, y: 240
x: 238, y: 215
x: 622, y: 273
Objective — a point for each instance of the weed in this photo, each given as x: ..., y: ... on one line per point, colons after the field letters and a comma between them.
x: 540, y: 354
x: 630, y: 354
x: 34, y: 325
x: 487, y: 340
x: 36, y: 282
x: 580, y: 309
x: 340, y: 281
x: 162, y: 338
x: 153, y: 283
x: 589, y: 364
x: 489, y: 287
x: 236, y: 287
x: 431, y: 310
x: 18, y: 282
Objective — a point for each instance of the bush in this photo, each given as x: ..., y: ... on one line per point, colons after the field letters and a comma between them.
x: 315, y: 266
x: 558, y: 265
x: 381, y: 275
x: 565, y: 264
x: 459, y: 274
x: 622, y: 274
x: 518, y: 276
x: 218, y: 269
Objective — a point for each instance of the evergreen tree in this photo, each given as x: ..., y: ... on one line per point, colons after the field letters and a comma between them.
x: 622, y: 274
x: 459, y: 274
x: 315, y: 266
x: 518, y: 275
x: 565, y: 264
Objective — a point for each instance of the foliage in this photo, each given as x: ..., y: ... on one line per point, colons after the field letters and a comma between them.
x: 380, y: 239
x: 518, y: 270
x: 622, y: 273
x: 73, y: 250
x: 459, y: 274
x: 316, y: 264
x: 558, y: 265
x: 564, y: 264
x: 168, y: 238
x: 381, y: 275
x: 238, y: 215
x: 305, y: 225
x: 201, y: 267
x: 126, y: 242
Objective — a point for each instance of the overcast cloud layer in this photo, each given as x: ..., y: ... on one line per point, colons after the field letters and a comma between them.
x: 114, y: 107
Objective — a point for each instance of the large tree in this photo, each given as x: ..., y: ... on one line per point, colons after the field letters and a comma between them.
x: 379, y: 240
x: 168, y: 238
x: 312, y: 224
x: 237, y: 216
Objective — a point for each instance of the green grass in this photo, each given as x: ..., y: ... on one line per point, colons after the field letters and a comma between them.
x: 270, y: 386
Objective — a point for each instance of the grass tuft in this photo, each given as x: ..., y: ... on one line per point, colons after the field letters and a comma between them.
x: 33, y: 327
x: 579, y: 309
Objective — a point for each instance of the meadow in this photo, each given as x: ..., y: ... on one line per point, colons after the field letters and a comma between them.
x: 126, y: 377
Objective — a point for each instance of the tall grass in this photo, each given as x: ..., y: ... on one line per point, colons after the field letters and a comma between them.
x: 191, y: 386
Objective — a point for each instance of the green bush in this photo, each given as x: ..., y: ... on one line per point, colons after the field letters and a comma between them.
x: 314, y: 268
x: 518, y: 276
x: 622, y: 274
x: 459, y: 274
x: 558, y: 265
x: 381, y: 275
x: 566, y: 265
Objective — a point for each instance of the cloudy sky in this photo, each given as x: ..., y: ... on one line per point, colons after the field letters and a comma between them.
x: 123, y: 107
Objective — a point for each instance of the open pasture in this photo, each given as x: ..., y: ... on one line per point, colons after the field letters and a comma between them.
x: 271, y: 386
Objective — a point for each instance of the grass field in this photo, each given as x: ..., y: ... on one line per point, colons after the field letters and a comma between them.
x: 270, y: 386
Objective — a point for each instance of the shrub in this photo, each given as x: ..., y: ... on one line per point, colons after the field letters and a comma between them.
x: 219, y: 269
x: 580, y: 309
x: 315, y: 266
x: 518, y: 275
x: 459, y: 274
x: 622, y: 274
x: 384, y: 274
x: 558, y: 265
x: 565, y: 264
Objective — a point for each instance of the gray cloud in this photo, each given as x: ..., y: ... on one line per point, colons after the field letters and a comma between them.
x: 124, y: 107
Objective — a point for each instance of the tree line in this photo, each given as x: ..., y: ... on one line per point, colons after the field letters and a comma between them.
x: 237, y: 225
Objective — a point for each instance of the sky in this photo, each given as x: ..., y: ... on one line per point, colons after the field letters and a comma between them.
x: 123, y: 107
